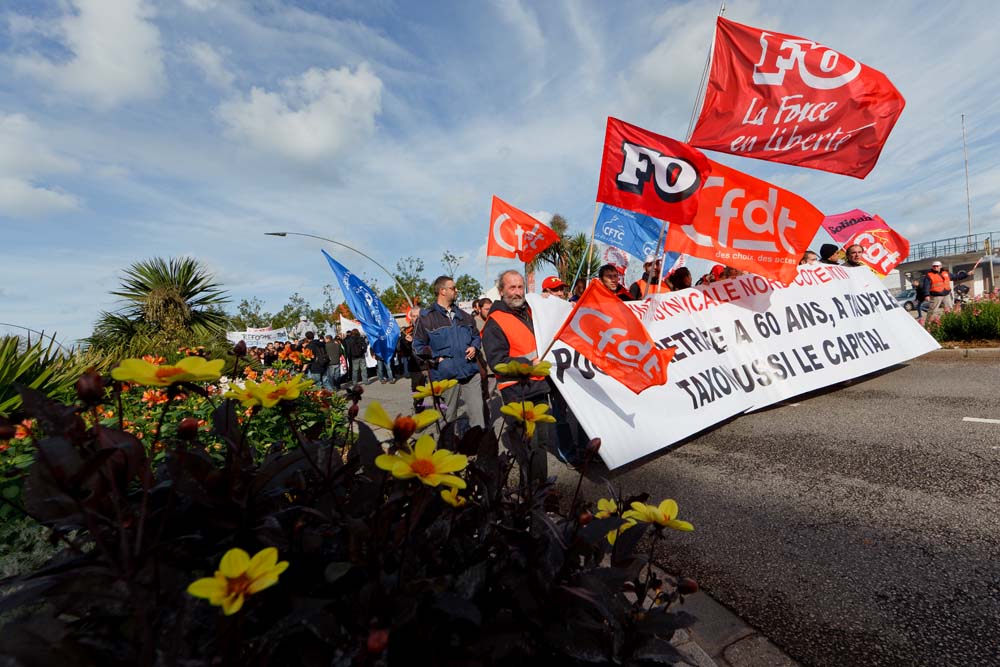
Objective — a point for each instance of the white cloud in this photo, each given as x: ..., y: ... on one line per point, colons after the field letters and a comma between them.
x: 20, y: 199
x: 314, y: 117
x: 524, y: 22
x: 116, y: 54
x: 211, y: 64
x: 23, y: 150
x: 24, y: 158
x: 201, y: 5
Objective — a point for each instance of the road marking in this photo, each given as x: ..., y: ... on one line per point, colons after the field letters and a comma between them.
x: 979, y: 420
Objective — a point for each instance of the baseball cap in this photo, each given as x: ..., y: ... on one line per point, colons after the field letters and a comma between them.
x: 552, y: 282
x: 717, y: 270
x: 935, y: 263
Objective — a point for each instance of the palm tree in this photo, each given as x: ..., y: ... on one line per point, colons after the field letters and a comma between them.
x: 167, y: 302
x: 567, y: 254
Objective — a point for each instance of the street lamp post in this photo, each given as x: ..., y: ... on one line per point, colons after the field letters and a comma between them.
x: 344, y: 245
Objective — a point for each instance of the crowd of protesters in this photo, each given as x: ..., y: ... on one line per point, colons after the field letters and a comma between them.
x: 444, y: 342
x: 333, y: 361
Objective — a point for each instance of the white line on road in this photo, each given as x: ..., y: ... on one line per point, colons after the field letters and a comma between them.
x: 979, y: 420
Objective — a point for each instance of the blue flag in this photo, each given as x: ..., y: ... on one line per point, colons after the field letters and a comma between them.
x: 379, y: 326
x: 633, y: 232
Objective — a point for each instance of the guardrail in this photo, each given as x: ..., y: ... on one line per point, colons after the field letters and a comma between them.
x: 985, y: 243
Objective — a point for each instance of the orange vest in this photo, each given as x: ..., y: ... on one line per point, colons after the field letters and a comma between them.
x: 521, y: 340
x: 653, y: 289
x: 940, y: 282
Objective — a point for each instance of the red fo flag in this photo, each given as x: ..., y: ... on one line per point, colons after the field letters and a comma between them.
x: 649, y: 173
x: 748, y: 224
x: 606, y: 331
x: 884, y: 248
x: 514, y: 233
x: 786, y: 99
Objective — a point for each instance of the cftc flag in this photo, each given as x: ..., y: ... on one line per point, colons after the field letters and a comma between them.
x: 379, y: 326
x: 633, y: 232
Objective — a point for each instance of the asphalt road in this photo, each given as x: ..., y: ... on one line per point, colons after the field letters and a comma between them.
x: 857, y: 526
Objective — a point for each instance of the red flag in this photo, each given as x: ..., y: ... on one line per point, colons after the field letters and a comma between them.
x: 884, y: 248
x: 748, y: 224
x: 649, y: 173
x: 514, y: 233
x: 786, y: 99
x: 606, y: 331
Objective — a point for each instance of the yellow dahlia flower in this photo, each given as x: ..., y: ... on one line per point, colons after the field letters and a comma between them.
x: 239, y: 576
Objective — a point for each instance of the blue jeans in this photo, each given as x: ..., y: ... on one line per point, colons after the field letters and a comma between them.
x: 384, y: 371
x: 317, y: 379
x: 332, y: 376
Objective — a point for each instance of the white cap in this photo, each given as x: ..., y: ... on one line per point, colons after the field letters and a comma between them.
x: 935, y: 263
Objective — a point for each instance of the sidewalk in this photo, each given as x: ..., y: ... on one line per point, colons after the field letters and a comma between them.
x: 719, y: 638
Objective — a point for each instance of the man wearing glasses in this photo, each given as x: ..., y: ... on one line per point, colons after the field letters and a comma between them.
x: 446, y: 336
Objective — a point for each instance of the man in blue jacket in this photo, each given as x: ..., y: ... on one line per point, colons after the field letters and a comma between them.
x: 446, y: 336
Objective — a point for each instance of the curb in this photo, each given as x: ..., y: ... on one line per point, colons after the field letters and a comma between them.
x: 723, y: 639
x: 963, y: 353
x: 718, y: 638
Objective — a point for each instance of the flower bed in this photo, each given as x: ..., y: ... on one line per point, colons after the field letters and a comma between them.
x: 363, y: 552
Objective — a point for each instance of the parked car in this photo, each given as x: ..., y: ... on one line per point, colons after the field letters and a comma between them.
x: 908, y: 299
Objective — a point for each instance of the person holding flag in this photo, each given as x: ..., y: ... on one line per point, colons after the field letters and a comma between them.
x: 650, y: 282
x: 381, y: 330
x: 509, y: 336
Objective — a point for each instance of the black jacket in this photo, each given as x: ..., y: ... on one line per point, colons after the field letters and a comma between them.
x: 355, y: 346
x: 319, y: 361
x: 497, y: 350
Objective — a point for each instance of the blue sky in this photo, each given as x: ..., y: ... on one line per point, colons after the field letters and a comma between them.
x: 131, y: 129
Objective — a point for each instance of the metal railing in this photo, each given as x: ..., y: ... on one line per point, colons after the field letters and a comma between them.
x: 985, y: 243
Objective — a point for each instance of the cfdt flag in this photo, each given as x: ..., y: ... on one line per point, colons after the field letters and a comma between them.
x: 606, y: 331
x: 884, y: 248
x: 633, y: 232
x: 514, y: 233
x: 377, y: 322
x: 748, y: 224
x: 787, y: 99
x: 649, y: 173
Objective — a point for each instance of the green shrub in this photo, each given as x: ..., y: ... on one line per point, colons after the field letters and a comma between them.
x: 978, y: 319
x: 38, y: 366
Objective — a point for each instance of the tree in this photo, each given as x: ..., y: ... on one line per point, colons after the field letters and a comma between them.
x: 297, y: 307
x: 168, y: 303
x: 575, y: 254
x: 250, y: 314
x: 409, y: 274
x: 450, y: 262
x: 567, y: 254
x: 468, y: 287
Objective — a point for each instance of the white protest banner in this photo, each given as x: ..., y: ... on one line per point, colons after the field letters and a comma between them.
x: 258, y: 336
x: 742, y: 344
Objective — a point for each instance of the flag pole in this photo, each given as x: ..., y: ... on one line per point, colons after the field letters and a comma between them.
x: 590, y: 246
x: 700, y: 97
x: 486, y: 269
x: 658, y: 258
